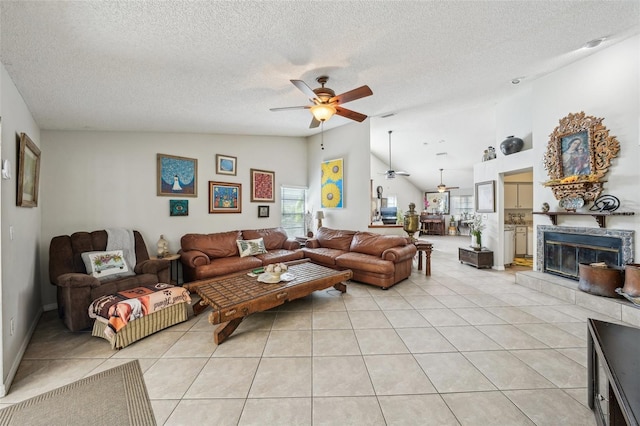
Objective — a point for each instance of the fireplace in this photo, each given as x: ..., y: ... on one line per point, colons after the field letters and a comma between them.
x: 560, y: 249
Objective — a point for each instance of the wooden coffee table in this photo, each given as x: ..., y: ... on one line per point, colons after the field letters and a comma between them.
x: 233, y: 297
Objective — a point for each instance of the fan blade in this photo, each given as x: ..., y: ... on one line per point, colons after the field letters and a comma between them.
x: 452, y: 187
x: 304, y: 88
x: 288, y: 108
x: 352, y: 95
x: 347, y: 113
x: 403, y: 174
x: 314, y: 123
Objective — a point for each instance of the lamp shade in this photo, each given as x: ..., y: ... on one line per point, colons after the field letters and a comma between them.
x: 319, y: 214
x: 323, y: 112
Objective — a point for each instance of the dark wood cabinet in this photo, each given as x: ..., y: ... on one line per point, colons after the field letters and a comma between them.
x: 478, y: 258
x: 613, y: 367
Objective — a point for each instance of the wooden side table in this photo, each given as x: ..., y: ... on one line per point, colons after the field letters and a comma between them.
x: 425, y: 247
x: 174, y: 265
x: 478, y: 258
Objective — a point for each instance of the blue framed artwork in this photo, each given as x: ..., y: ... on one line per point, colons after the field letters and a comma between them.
x: 226, y: 164
x: 225, y: 197
x: 177, y: 176
x: 178, y: 207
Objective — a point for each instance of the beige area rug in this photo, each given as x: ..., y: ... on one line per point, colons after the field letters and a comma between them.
x: 117, y: 396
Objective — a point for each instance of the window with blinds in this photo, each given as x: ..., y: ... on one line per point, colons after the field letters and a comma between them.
x: 293, y: 202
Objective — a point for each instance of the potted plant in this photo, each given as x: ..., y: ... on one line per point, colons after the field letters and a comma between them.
x: 476, y: 228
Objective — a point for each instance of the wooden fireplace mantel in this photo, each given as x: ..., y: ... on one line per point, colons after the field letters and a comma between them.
x: 599, y: 216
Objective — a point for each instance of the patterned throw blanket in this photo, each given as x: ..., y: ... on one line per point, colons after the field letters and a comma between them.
x: 127, y: 305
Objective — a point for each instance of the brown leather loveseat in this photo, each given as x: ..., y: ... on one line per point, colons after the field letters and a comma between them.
x: 213, y: 255
x: 77, y: 289
x: 380, y: 260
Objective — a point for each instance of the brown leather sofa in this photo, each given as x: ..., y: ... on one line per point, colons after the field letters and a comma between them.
x: 76, y: 289
x: 212, y: 255
x: 380, y: 260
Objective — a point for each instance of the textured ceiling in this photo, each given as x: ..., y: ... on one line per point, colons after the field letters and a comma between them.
x: 217, y: 67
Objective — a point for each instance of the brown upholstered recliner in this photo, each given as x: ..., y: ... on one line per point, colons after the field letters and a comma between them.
x: 77, y: 289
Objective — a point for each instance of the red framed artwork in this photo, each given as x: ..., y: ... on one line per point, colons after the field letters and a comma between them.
x: 262, y: 185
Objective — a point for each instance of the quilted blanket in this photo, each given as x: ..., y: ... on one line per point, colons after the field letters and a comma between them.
x: 127, y: 305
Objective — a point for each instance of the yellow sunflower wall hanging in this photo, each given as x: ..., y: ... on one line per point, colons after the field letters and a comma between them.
x: 332, y: 184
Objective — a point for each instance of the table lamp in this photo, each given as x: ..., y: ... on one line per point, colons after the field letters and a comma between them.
x: 319, y: 216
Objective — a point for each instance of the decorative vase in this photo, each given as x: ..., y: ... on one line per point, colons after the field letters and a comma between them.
x: 476, y: 241
x: 163, y: 247
x: 411, y: 222
x: 511, y: 145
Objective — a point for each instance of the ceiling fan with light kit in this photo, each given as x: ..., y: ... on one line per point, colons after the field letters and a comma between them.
x: 326, y: 103
x: 442, y: 187
x: 390, y: 173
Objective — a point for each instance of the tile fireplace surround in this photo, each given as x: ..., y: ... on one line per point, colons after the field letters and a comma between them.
x: 567, y: 289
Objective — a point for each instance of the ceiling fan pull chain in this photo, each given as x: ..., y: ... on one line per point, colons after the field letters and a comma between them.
x: 322, y: 135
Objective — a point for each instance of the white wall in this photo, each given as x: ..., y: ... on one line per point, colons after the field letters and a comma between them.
x: 351, y: 143
x: 98, y: 180
x: 20, y: 296
x: 605, y: 85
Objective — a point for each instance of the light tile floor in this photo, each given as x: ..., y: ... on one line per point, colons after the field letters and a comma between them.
x: 461, y: 347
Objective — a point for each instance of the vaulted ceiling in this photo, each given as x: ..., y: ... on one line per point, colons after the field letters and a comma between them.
x: 217, y: 67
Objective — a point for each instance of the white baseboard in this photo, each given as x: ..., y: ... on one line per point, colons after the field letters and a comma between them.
x: 16, y: 362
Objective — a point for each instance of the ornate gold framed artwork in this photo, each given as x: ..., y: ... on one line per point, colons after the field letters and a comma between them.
x: 578, y: 156
x: 28, y: 172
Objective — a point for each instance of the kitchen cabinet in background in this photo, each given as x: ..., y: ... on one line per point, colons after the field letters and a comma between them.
x: 518, y: 195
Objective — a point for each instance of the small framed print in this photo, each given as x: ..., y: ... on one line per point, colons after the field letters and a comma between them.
x: 178, y: 207
x: 226, y: 164
x: 225, y: 197
x: 263, y: 211
x: 262, y: 185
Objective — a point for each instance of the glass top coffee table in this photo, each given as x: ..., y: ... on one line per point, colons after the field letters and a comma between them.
x: 233, y: 297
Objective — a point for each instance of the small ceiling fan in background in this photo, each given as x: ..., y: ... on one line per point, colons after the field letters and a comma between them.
x: 390, y: 173
x: 442, y: 187
x: 326, y: 103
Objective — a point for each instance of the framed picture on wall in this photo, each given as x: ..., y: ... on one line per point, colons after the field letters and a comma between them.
x: 332, y: 184
x: 28, y: 172
x: 178, y: 207
x: 263, y: 211
x: 225, y: 197
x: 485, y: 196
x: 226, y: 164
x: 262, y: 185
x: 177, y: 176
x: 437, y: 202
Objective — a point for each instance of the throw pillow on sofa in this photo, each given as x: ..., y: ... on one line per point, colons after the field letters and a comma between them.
x: 106, y: 264
x: 251, y: 247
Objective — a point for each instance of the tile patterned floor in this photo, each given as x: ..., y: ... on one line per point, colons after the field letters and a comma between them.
x: 461, y: 347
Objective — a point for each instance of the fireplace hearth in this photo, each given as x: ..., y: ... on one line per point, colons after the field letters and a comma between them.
x: 560, y: 249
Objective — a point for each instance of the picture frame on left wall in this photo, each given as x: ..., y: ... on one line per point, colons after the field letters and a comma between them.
x: 28, y: 172
x: 177, y: 176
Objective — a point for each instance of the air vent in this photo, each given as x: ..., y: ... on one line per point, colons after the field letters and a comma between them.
x: 391, y: 114
x: 441, y: 153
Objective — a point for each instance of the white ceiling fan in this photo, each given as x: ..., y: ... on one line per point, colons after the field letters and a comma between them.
x: 391, y: 174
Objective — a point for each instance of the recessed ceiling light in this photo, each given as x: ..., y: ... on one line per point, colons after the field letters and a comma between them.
x: 517, y: 80
x: 594, y: 43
